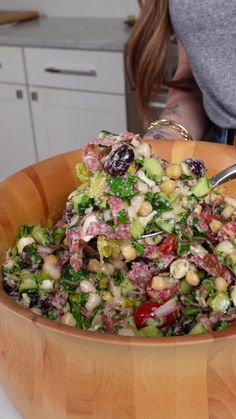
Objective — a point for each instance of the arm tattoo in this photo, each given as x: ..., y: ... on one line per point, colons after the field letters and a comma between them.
x: 162, y: 133
x: 158, y: 134
x: 171, y: 111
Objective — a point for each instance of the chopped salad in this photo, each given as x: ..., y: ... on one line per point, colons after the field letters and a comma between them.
x: 94, y: 269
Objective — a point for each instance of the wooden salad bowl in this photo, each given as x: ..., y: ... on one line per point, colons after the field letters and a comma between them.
x: 53, y: 371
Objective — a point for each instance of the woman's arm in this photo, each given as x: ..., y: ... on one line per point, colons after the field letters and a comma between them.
x: 184, y: 107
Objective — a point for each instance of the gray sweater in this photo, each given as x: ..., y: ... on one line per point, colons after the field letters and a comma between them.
x: 207, y: 31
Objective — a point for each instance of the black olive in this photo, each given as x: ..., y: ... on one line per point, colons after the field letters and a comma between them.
x: 68, y: 213
x: 34, y: 298
x: 119, y: 160
x: 196, y: 167
x: 9, y: 288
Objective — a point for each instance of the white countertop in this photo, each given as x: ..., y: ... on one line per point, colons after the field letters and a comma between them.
x: 7, y: 411
x: 99, y: 34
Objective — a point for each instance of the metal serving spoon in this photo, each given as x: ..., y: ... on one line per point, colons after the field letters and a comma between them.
x: 225, y: 176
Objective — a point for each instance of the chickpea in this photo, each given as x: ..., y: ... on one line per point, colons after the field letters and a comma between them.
x: 174, y: 171
x: 94, y: 266
x: 51, y: 259
x: 215, y: 226
x: 68, y: 319
x: 221, y: 284
x: 168, y: 187
x: 107, y: 269
x: 159, y: 283
x: 192, y: 278
x: 128, y: 251
x: 232, y: 256
x: 227, y: 212
x: 145, y: 209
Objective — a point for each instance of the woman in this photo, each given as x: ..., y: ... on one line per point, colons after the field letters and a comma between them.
x: 202, y: 94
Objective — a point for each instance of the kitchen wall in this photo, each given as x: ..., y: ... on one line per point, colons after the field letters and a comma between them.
x: 74, y: 8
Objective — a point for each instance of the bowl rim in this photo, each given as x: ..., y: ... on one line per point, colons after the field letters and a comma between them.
x: 22, y: 312
x: 72, y: 332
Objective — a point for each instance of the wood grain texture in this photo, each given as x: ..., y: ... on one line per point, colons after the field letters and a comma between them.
x: 49, y: 370
x: 7, y: 17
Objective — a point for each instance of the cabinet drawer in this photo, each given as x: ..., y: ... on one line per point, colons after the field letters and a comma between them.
x: 66, y: 120
x: 11, y: 65
x: 72, y: 69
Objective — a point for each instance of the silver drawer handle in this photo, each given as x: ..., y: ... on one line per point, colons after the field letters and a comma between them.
x: 90, y: 73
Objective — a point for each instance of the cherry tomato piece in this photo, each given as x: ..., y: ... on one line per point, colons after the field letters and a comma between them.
x: 169, y: 244
x: 146, y: 312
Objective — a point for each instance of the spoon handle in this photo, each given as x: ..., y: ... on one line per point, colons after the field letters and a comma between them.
x: 156, y: 233
x: 224, y: 176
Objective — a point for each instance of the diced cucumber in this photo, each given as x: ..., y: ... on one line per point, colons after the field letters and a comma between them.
x: 220, y: 302
x: 166, y: 225
x: 27, y: 284
x: 24, y: 241
x: 202, y: 187
x: 149, y: 331
x: 153, y: 168
x: 81, y: 203
x: 198, y: 329
x: 185, y: 287
x: 40, y: 234
x: 137, y: 229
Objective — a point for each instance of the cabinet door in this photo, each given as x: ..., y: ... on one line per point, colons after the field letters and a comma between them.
x: 16, y: 139
x: 65, y: 120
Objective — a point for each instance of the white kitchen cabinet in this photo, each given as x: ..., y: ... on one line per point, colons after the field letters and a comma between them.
x: 65, y: 120
x: 56, y: 100
x: 17, y: 148
x: 74, y: 95
x: 16, y: 138
x: 12, y: 65
x: 94, y: 71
